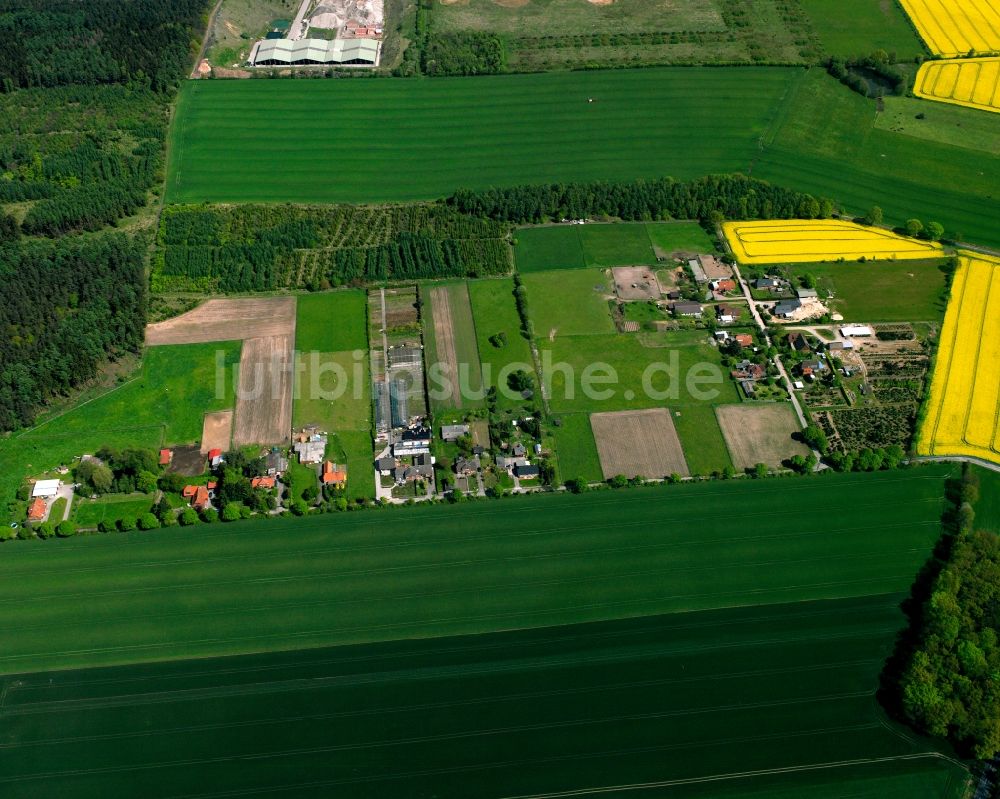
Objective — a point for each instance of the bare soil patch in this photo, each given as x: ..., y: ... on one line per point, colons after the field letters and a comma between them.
x: 216, y: 431
x: 635, y: 283
x: 226, y: 320
x: 714, y: 268
x: 188, y: 461
x: 444, y: 339
x: 760, y: 433
x: 264, y: 396
x: 635, y: 443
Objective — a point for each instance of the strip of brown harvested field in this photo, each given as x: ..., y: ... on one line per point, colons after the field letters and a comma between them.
x: 226, y: 320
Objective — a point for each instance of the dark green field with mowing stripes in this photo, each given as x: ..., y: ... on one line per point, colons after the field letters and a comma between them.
x: 371, y: 141
x: 675, y: 699
x: 556, y: 643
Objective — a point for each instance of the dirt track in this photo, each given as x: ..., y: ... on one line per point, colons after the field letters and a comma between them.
x: 216, y: 431
x: 759, y: 433
x: 226, y: 320
x: 264, y: 399
x: 635, y: 443
x: 444, y: 339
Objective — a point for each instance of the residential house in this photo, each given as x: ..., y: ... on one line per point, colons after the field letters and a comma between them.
x: 215, y: 457
x: 798, y: 343
x: 201, y: 499
x: 806, y: 294
x: 673, y: 294
x: 310, y: 447
x: 189, y: 492
x: 453, y: 432
x: 276, y: 463
x: 37, y: 510
x: 767, y: 284
x: 334, y: 475
x: 386, y: 466
x: 786, y: 308
x: 748, y: 370
x: 722, y: 286
x: 526, y: 471
x: 686, y: 308
x: 166, y: 457
x: 744, y: 339
x: 726, y: 313
x: 519, y: 450
x: 478, y: 450
x: 265, y: 483
x: 511, y: 463
x: 466, y: 466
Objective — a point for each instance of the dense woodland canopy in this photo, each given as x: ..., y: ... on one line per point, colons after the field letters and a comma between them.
x: 83, y: 113
x: 950, y: 683
x: 66, y: 307
x: 709, y: 199
x: 58, y: 42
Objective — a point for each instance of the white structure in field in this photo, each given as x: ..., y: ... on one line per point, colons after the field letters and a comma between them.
x: 45, y: 489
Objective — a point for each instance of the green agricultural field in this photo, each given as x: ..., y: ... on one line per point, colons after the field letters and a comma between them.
x: 355, y: 578
x: 435, y: 136
x: 494, y: 312
x: 554, y: 247
x: 854, y: 28
x: 549, y: 247
x: 670, y: 237
x: 447, y: 312
x: 988, y: 506
x: 690, y: 648
x: 941, y: 123
x: 323, y: 396
x: 882, y: 291
x: 163, y: 403
x: 576, y: 451
x: 689, y: 351
x: 701, y: 438
x: 331, y: 322
x: 616, y: 245
x: 827, y: 144
x: 569, y: 303
x: 111, y: 508
x: 686, y: 696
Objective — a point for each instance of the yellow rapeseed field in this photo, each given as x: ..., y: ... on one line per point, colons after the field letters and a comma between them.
x: 955, y: 27
x: 809, y: 240
x: 972, y: 82
x: 963, y: 411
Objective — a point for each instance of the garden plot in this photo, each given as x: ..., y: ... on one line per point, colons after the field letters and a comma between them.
x: 760, y: 433
x: 638, y: 443
x: 216, y: 431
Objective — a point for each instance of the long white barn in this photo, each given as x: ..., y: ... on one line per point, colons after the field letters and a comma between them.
x: 318, y: 52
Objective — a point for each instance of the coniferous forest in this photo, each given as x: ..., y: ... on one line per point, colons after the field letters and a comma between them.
x: 83, y: 116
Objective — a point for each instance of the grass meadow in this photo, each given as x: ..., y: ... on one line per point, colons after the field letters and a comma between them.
x: 331, y: 321
x: 576, y: 450
x: 882, y: 291
x: 408, y: 140
x: 163, y: 403
x: 701, y: 438
x: 553, y: 247
x: 569, y: 302
x: 857, y: 27
x: 494, y: 312
x: 91, y: 512
x: 637, y: 612
x: 941, y: 123
x: 330, y: 331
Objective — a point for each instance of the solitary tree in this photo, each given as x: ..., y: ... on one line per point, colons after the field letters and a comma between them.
x: 914, y: 227
x: 935, y: 230
x: 874, y: 216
